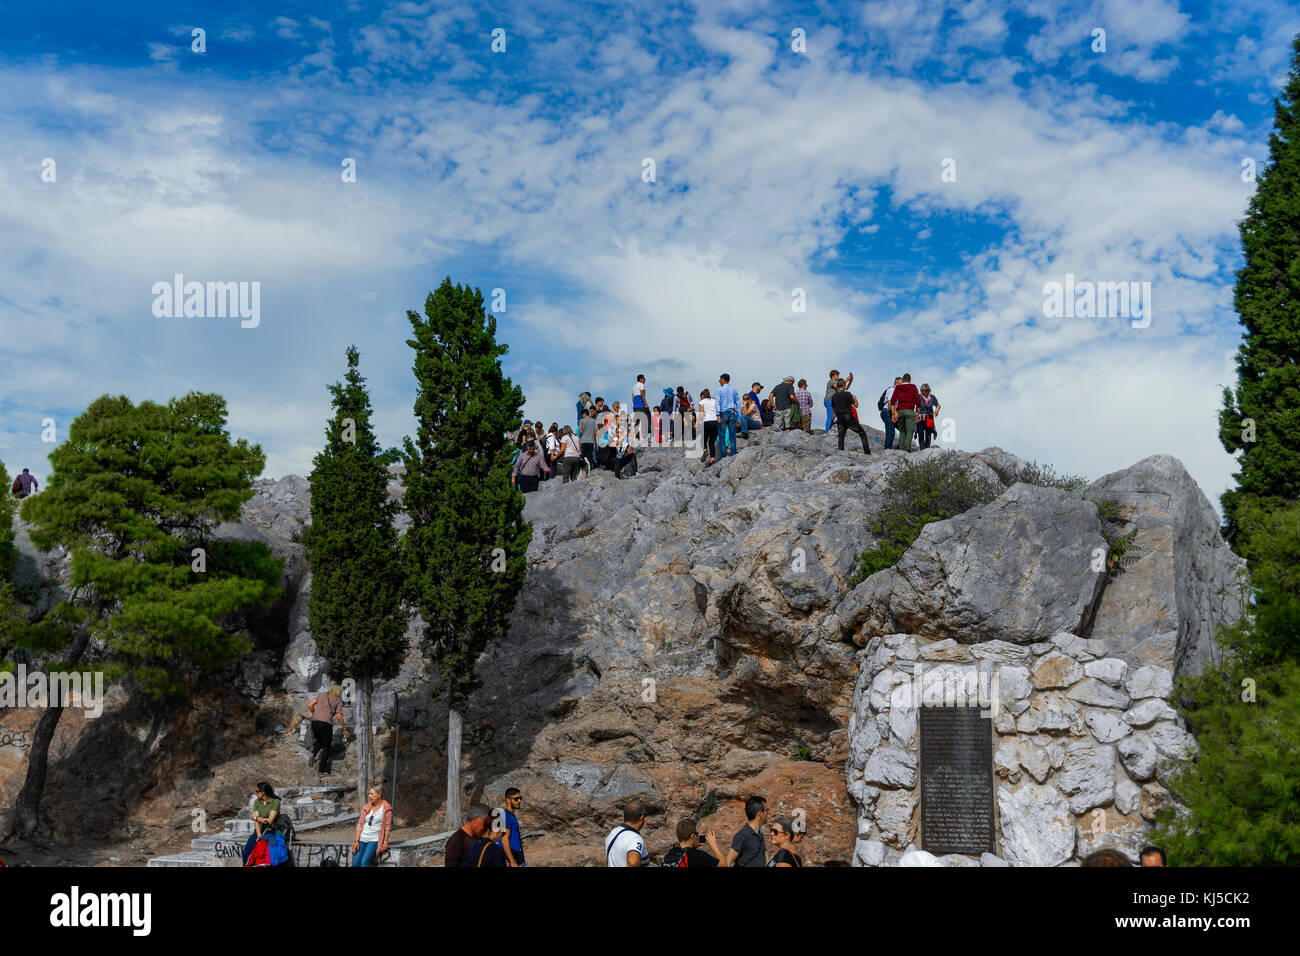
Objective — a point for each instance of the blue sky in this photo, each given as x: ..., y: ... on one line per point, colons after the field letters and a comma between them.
x: 775, y: 170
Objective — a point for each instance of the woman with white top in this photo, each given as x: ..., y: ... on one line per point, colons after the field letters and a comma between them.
x: 708, y: 412
x: 372, y: 828
x: 570, y: 454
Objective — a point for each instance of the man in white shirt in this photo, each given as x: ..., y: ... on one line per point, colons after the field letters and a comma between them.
x: 624, y: 845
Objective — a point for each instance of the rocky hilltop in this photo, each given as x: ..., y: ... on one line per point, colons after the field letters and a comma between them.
x: 690, y: 636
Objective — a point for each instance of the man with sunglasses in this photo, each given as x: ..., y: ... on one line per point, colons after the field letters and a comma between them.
x: 513, y: 844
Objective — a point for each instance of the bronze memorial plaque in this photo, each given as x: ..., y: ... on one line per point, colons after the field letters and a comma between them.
x: 956, y: 780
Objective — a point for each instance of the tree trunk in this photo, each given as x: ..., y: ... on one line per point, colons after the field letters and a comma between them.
x: 27, y: 808
x: 455, y: 813
x: 365, y: 742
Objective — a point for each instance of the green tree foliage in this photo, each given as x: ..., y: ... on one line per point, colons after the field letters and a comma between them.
x: 467, y: 544
x: 133, y: 491
x: 915, y: 494
x: 1240, y: 795
x: 10, y: 618
x: 1268, y: 301
x: 356, y: 613
x: 8, y: 553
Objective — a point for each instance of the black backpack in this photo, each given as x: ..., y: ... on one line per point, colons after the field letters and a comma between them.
x: 676, y: 857
x: 880, y: 402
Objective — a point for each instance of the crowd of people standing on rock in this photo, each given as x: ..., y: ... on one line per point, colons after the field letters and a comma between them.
x: 607, y: 436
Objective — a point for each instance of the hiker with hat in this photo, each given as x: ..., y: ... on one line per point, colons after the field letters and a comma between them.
x: 783, y: 400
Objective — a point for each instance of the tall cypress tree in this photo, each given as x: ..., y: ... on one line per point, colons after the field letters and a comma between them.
x: 1238, y: 799
x: 467, y: 545
x: 10, y: 618
x: 356, y: 613
x: 8, y: 553
x: 1268, y: 300
x: 135, y: 494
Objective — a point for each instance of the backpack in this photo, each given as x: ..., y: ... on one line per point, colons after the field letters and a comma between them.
x: 880, y: 402
x: 284, y: 828
x: 18, y: 485
x: 277, y: 854
x: 676, y: 857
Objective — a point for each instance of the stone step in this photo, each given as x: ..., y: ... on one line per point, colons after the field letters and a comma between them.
x: 187, y: 858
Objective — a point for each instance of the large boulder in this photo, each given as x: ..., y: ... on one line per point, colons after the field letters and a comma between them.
x: 1178, y: 580
x: 1018, y: 569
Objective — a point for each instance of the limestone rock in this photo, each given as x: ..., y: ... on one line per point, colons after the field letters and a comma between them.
x: 1088, y: 776
x: 1110, y: 670
x: 1106, y: 725
x: 869, y: 853
x: 1150, y: 681
x: 1172, y: 741
x: 1148, y: 712
x: 1056, y: 670
x: 1128, y: 797
x: 1037, y: 828
x: 1051, y: 712
x: 946, y: 651
x: 915, y: 857
x: 894, y: 817
x: 1138, y: 756
x: 1017, y: 569
x: 1106, y: 829
x: 1185, y: 580
x: 889, y: 767
x: 1097, y: 694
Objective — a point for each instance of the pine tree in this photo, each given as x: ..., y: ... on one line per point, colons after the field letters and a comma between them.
x: 467, y: 545
x: 356, y: 613
x: 1261, y: 418
x: 135, y: 494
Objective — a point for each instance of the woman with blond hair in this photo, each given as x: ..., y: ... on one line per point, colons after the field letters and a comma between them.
x: 324, y: 708
x: 372, y: 828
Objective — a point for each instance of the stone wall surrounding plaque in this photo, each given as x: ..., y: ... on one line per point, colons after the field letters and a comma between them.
x: 1081, y: 744
x: 956, y: 770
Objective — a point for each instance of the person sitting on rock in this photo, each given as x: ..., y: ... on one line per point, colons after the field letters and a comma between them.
x: 626, y: 460
x: 266, y: 807
x: 372, y: 828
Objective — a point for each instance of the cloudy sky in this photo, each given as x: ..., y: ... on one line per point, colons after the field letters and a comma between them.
x: 794, y: 147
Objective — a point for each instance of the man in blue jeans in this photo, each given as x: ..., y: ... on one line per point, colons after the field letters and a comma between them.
x: 830, y: 393
x: 887, y: 413
x: 728, y: 414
